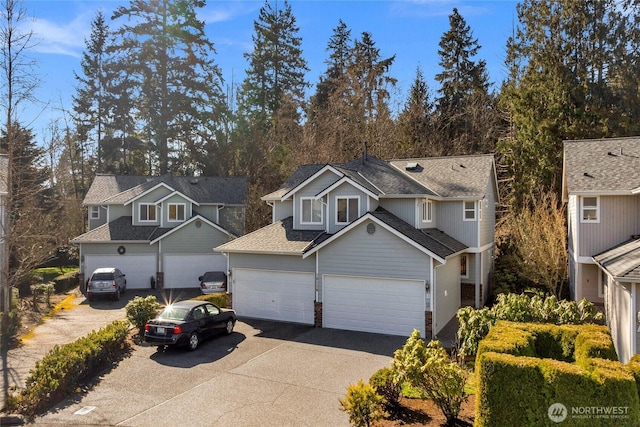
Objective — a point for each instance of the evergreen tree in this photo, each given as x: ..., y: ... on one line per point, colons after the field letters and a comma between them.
x: 415, y: 122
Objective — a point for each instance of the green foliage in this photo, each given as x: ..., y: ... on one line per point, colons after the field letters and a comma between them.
x: 428, y: 368
x: 363, y: 404
x: 66, y: 367
x: 218, y: 299
x: 386, y: 385
x: 475, y: 324
x: 634, y: 367
x: 518, y: 380
x: 140, y: 310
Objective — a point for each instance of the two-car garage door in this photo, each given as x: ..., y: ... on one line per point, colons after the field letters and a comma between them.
x: 384, y: 306
x: 275, y: 295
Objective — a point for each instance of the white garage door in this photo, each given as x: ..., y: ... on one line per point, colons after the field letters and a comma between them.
x: 384, y: 306
x: 182, y: 271
x: 138, y: 269
x: 274, y: 295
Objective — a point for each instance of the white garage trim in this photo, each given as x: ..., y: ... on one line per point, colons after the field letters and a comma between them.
x: 182, y: 271
x: 138, y: 269
x: 373, y: 304
x: 274, y: 295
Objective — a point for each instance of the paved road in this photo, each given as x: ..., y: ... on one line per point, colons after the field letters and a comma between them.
x: 264, y: 374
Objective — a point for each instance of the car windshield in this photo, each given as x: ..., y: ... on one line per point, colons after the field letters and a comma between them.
x: 102, y: 276
x: 213, y: 276
x: 174, y: 313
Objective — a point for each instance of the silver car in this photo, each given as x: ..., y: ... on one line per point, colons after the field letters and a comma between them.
x: 213, y: 282
x: 106, y: 281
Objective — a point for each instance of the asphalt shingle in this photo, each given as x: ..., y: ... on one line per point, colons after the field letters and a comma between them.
x: 623, y: 260
x: 121, y: 229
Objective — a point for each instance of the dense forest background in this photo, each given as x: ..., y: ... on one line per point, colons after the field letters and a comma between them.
x: 149, y: 100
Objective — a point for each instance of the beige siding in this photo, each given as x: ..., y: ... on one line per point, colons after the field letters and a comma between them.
x: 447, y: 292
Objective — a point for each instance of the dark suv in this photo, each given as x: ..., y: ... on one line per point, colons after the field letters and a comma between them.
x: 106, y: 281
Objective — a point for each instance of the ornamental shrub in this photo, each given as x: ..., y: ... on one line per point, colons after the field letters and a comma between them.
x: 428, y: 368
x: 385, y: 384
x: 140, y: 310
x: 363, y: 404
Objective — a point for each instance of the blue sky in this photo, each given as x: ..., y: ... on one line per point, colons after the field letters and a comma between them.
x: 409, y: 29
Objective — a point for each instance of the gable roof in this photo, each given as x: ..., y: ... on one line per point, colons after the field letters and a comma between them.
x: 610, y: 165
x: 121, y: 230
x: 622, y: 261
x: 120, y: 189
x: 4, y: 174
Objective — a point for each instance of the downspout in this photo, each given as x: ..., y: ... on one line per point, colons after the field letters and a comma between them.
x: 220, y: 207
x: 634, y: 319
x: 478, y: 261
x: 433, y: 297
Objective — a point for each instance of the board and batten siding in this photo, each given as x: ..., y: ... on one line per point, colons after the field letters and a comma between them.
x: 282, y: 210
x: 310, y: 190
x: 450, y: 221
x: 193, y: 239
x: 405, y: 209
x: 619, y: 220
x: 344, y: 190
x: 381, y: 254
x: 447, y: 292
x: 618, y: 304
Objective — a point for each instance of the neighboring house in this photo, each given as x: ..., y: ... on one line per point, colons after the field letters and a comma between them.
x: 370, y: 245
x: 162, y: 227
x: 601, y: 184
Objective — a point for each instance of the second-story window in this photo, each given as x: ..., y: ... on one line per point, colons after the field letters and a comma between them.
x: 147, y: 212
x: 177, y: 211
x: 347, y: 209
x: 464, y: 266
x: 590, y: 209
x: 469, y: 211
x: 427, y: 211
x: 311, y: 211
x: 95, y: 212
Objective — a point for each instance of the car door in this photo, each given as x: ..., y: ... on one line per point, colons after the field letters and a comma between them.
x: 201, y: 319
x: 216, y: 318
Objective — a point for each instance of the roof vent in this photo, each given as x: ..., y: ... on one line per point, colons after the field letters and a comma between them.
x: 371, y: 228
x: 411, y: 166
x: 588, y: 175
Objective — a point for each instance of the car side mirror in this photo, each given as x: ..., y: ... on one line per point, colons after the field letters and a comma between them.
x: 200, y: 278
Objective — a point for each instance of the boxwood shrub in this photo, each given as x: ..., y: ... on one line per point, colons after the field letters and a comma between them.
x: 524, y: 368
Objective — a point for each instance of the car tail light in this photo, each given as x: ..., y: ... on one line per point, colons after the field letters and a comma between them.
x: 147, y: 327
x: 113, y: 284
x: 177, y: 329
x: 224, y: 286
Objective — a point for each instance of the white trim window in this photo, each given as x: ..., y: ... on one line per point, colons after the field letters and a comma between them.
x: 469, y: 210
x: 147, y: 212
x: 590, y: 209
x: 464, y: 266
x: 310, y: 210
x: 95, y: 212
x: 347, y: 209
x: 427, y: 211
x: 177, y: 211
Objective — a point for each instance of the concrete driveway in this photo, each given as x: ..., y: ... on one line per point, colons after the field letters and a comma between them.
x: 264, y: 374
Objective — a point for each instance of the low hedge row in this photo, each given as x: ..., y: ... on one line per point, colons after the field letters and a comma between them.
x: 525, y: 368
x: 68, y: 366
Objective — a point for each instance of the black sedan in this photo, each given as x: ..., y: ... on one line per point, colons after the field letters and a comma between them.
x: 188, y: 322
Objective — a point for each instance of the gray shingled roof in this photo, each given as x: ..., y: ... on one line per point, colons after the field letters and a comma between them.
x: 121, y: 229
x: 107, y: 189
x: 455, y: 176
x: 298, y: 177
x: 622, y: 261
x: 279, y: 237
x: 601, y: 165
x: 4, y: 173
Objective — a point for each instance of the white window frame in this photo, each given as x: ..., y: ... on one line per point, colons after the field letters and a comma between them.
x: 427, y: 211
x: 465, y: 210
x: 150, y: 207
x: 347, y: 198
x: 95, y: 212
x: 464, y: 259
x: 595, y: 208
x: 177, y: 205
x: 313, y: 201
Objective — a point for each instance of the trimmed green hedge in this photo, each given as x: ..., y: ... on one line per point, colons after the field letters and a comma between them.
x: 68, y: 366
x: 524, y: 368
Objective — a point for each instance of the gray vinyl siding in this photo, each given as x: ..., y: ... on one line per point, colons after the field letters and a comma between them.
x: 282, y: 210
x: 112, y: 248
x: 116, y: 211
x: 572, y: 220
x: 405, y: 209
x: 344, y: 190
x: 272, y: 262
x: 488, y: 222
x: 208, y: 211
x: 151, y: 197
x: 619, y: 220
x: 382, y: 254
x: 447, y: 292
x: 176, y: 199
x: 311, y: 189
x: 194, y: 240
x: 487, y: 268
x: 450, y: 221
x: 232, y: 218
x: 618, y: 304
x: 95, y: 223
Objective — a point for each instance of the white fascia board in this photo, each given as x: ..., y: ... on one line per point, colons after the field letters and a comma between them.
x: 184, y: 224
x: 254, y: 252
x: 392, y: 230
x: 478, y: 250
x: 144, y: 193
x: 179, y: 194
x: 342, y: 181
x: 603, y: 193
x: 635, y: 191
x: 310, y: 179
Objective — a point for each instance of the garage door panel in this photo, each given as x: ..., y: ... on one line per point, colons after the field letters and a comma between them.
x: 274, y: 295
x: 389, y: 306
x: 138, y: 269
x: 182, y: 271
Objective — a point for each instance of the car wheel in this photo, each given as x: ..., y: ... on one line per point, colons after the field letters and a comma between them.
x: 229, y: 326
x: 194, y: 340
x: 116, y: 296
